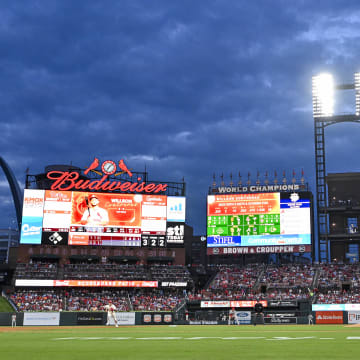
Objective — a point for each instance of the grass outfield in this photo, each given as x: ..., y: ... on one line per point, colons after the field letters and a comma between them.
x: 181, y: 342
x: 5, y: 306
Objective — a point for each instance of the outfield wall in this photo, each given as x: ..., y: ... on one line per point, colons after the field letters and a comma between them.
x: 163, y: 318
x: 65, y: 318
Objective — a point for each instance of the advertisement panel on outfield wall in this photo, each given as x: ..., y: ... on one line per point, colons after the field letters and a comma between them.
x: 41, y: 319
x: 280, y: 320
x: 235, y: 303
x: 329, y: 317
x: 123, y: 318
x: 243, y: 317
x: 354, y: 317
x: 336, y: 307
x: 259, y: 223
x: 106, y: 219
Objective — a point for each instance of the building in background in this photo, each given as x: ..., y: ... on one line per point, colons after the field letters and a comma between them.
x: 344, y: 216
x: 9, y: 238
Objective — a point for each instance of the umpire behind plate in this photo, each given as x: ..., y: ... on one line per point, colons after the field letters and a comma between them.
x: 259, y: 315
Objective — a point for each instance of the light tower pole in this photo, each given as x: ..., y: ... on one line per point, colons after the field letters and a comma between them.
x: 323, y: 112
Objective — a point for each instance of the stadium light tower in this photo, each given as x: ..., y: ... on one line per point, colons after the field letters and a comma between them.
x: 323, y: 95
x: 323, y: 88
x: 357, y: 93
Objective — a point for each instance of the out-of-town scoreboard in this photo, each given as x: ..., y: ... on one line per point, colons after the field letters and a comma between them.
x: 259, y: 222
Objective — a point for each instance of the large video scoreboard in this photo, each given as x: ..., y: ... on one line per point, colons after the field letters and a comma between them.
x: 259, y: 222
x: 106, y: 219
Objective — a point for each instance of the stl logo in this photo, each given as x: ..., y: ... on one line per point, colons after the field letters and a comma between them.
x: 108, y: 167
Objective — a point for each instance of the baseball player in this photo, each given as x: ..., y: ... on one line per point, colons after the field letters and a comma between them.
x: 111, y: 308
x: 13, y: 320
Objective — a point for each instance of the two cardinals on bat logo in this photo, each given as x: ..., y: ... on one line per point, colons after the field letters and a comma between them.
x: 109, y: 167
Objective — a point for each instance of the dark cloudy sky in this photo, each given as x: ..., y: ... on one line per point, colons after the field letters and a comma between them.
x: 185, y: 88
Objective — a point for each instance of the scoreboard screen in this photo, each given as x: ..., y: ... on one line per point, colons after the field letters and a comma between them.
x: 109, y: 219
x: 259, y: 219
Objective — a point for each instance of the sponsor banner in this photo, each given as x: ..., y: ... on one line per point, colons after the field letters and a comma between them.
x: 87, y: 283
x: 354, y: 317
x: 168, y: 318
x: 175, y: 233
x: 29, y: 282
x: 235, y: 304
x: 243, y: 317
x: 42, y: 319
x: 157, y: 318
x: 247, y: 303
x: 33, y: 203
x: 176, y: 206
x: 276, y: 240
x: 54, y: 238
x: 173, y: 284
x: 336, y: 307
x: 223, y: 241
x: 31, y: 230
x: 204, y: 322
x: 328, y: 307
x: 257, y: 240
x: 214, y: 304
x: 258, y: 250
x: 90, y: 318
x: 281, y: 315
x: 329, y: 317
x: 32, y: 217
x: 280, y: 320
x: 123, y: 318
x: 282, y: 303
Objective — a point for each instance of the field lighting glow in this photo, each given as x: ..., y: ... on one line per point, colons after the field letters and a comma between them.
x: 323, y: 95
x: 357, y: 93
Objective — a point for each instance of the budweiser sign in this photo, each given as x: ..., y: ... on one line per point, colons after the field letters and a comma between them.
x: 66, y: 180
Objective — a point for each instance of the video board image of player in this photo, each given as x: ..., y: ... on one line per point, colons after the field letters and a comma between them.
x: 116, y: 222
x: 115, y: 209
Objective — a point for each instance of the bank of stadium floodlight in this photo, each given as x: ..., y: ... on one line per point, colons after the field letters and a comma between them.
x: 357, y: 93
x: 323, y: 95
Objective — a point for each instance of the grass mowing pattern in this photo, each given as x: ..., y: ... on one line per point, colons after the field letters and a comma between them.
x: 188, y: 342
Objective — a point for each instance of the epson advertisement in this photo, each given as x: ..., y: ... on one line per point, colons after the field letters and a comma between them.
x: 260, y: 219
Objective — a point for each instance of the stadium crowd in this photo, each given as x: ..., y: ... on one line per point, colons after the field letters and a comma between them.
x: 320, y: 283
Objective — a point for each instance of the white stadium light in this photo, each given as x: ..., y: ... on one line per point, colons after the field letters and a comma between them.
x: 323, y: 95
x: 357, y: 93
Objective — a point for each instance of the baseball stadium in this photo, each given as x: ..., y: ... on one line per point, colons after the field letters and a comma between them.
x: 105, y: 265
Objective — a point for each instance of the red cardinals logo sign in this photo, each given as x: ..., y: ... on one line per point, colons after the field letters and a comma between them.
x: 65, y: 180
x: 108, y: 167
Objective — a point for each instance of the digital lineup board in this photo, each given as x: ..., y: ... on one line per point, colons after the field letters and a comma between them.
x: 259, y: 223
x: 107, y: 219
